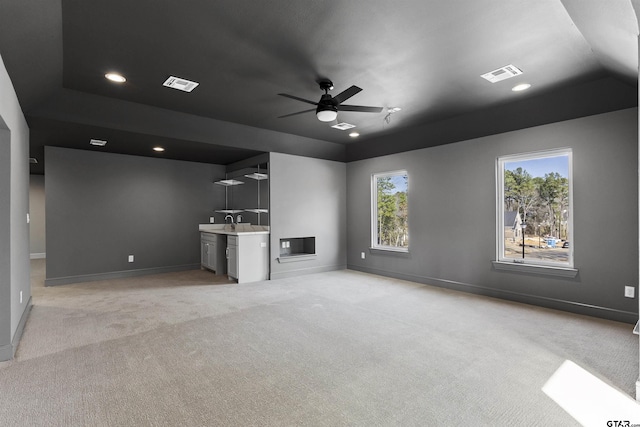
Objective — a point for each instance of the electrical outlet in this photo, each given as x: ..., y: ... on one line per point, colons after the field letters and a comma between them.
x: 629, y: 291
x: 362, y: 255
x: 130, y: 258
x: 212, y: 220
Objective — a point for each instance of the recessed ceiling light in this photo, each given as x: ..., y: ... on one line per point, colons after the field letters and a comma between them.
x: 159, y: 149
x: 115, y: 77
x: 354, y: 134
x: 521, y: 87
x: 98, y: 142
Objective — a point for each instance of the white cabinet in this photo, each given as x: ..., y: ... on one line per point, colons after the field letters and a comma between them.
x: 212, y: 252
x: 207, y: 252
x: 242, y: 253
x: 232, y: 257
x: 248, y: 257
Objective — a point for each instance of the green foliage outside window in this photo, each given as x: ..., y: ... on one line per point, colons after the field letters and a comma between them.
x: 392, y: 228
x: 536, y: 191
x: 539, y: 200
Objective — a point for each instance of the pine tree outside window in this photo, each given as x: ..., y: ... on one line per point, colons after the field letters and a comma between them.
x: 389, y: 211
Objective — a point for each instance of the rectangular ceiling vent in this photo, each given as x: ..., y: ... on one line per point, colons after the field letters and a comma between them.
x: 180, y: 84
x: 503, y: 73
x: 343, y: 126
x: 33, y: 160
x: 98, y: 142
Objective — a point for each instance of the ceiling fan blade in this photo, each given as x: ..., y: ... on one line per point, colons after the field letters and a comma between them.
x: 346, y: 94
x: 298, y: 99
x: 295, y: 114
x: 359, y: 108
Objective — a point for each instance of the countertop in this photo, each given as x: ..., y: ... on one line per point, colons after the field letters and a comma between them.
x: 241, y: 229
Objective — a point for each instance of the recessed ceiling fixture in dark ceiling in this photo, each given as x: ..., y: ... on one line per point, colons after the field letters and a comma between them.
x: 521, y: 87
x: 115, y: 77
x: 98, y: 142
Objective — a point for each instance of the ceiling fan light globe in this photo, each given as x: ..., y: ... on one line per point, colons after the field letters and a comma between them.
x: 326, y: 112
x: 326, y: 115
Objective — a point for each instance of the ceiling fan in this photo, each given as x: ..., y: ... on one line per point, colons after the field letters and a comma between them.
x: 328, y: 106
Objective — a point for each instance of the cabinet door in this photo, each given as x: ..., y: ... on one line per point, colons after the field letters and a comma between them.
x: 208, y: 251
x: 211, y: 256
x: 232, y: 261
x: 204, y: 254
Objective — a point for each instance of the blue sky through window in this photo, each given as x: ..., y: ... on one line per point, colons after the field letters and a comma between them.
x: 400, y: 184
x: 540, y: 167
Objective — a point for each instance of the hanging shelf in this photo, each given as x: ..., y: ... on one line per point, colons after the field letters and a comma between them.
x: 230, y: 211
x: 258, y: 176
x: 228, y: 182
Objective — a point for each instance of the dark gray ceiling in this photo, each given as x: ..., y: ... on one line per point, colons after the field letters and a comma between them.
x: 426, y: 57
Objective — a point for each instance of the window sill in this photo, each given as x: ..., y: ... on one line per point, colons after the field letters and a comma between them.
x: 402, y: 252
x: 535, y: 269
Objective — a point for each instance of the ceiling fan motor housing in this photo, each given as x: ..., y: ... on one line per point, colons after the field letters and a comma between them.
x: 326, y: 85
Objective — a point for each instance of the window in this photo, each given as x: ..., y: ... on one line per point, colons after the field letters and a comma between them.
x: 535, y: 209
x: 389, y: 211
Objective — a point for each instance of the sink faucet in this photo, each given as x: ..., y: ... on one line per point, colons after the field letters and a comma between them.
x: 230, y: 217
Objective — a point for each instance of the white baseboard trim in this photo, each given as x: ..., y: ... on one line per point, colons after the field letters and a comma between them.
x: 55, y: 281
x: 541, y: 301
x: 38, y: 255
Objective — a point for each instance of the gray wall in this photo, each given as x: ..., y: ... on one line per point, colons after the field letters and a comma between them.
x: 14, y: 205
x: 452, y: 216
x: 103, y: 207
x: 308, y: 198
x: 37, y: 238
x: 6, y: 352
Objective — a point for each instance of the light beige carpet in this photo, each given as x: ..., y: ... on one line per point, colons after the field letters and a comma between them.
x: 338, y: 348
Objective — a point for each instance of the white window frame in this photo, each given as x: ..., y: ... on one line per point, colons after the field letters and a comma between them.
x: 374, y: 210
x: 524, y: 263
